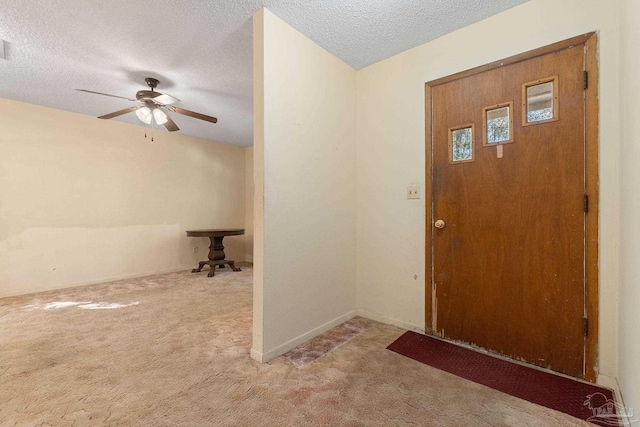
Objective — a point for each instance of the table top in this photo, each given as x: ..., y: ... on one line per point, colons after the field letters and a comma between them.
x: 216, y: 232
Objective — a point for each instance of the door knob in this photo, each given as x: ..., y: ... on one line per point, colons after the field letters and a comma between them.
x: 439, y: 224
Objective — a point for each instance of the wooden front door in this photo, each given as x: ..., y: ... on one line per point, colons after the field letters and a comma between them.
x: 508, y: 186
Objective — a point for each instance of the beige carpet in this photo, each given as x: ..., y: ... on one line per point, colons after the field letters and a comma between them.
x: 173, y: 350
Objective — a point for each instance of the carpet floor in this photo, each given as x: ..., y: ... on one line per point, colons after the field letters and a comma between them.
x: 173, y: 350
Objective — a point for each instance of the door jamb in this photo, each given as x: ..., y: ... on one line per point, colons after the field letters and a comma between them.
x: 589, y: 41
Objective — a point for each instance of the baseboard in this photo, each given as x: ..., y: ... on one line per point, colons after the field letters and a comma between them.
x: 391, y: 321
x: 244, y: 264
x: 608, y: 382
x: 612, y: 383
x: 256, y: 355
x: 282, y: 349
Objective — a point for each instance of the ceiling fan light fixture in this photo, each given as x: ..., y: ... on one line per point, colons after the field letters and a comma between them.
x: 144, y: 114
x: 160, y: 116
x: 152, y: 108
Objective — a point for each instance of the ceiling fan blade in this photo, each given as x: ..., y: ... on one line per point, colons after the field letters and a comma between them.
x: 165, y: 99
x: 118, y: 113
x: 105, y: 94
x: 171, y: 125
x: 193, y: 114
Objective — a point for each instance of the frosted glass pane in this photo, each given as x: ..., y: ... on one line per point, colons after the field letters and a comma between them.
x: 461, y: 144
x: 498, y: 125
x: 540, y: 102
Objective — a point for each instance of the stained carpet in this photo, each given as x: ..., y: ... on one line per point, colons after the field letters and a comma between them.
x: 563, y: 394
x: 317, y: 347
x: 173, y: 350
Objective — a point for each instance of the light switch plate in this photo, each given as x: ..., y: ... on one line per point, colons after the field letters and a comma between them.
x: 413, y: 191
x: 2, y: 55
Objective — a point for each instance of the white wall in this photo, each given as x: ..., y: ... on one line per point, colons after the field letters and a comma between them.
x: 305, y: 144
x: 629, y: 377
x: 84, y: 200
x: 391, y: 152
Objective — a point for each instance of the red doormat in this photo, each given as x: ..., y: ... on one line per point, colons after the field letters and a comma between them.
x: 585, y: 401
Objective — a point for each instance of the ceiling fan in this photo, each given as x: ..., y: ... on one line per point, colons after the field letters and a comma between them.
x: 152, y: 107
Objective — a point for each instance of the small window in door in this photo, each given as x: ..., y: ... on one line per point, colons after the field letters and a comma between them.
x: 461, y: 148
x: 540, y: 101
x: 498, y: 124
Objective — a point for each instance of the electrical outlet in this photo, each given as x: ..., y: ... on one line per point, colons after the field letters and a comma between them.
x: 413, y: 191
x: 195, y: 249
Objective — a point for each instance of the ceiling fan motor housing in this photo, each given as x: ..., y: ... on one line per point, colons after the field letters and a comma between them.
x: 143, y: 95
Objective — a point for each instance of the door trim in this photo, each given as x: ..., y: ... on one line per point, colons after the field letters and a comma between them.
x: 589, y: 41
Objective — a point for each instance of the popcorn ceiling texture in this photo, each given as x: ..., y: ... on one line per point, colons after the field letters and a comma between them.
x: 181, y: 358
x: 364, y: 32
x: 201, y: 51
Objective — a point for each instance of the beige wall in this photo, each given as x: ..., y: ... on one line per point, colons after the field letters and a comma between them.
x: 84, y: 200
x: 305, y: 139
x: 391, y: 152
x: 257, y: 347
x: 629, y: 377
x: 248, y: 204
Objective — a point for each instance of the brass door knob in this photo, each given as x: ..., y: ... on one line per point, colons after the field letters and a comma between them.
x: 439, y: 224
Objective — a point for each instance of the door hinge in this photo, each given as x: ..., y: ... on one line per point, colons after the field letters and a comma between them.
x: 586, y: 203
x: 585, y: 326
x: 586, y: 80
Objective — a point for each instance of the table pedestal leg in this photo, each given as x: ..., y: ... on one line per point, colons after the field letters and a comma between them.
x: 200, y: 265
x: 216, y: 258
x: 216, y: 249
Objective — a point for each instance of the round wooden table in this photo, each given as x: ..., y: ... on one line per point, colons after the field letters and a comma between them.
x: 216, y: 249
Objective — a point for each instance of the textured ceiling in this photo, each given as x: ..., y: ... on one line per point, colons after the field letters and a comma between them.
x: 201, y: 51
